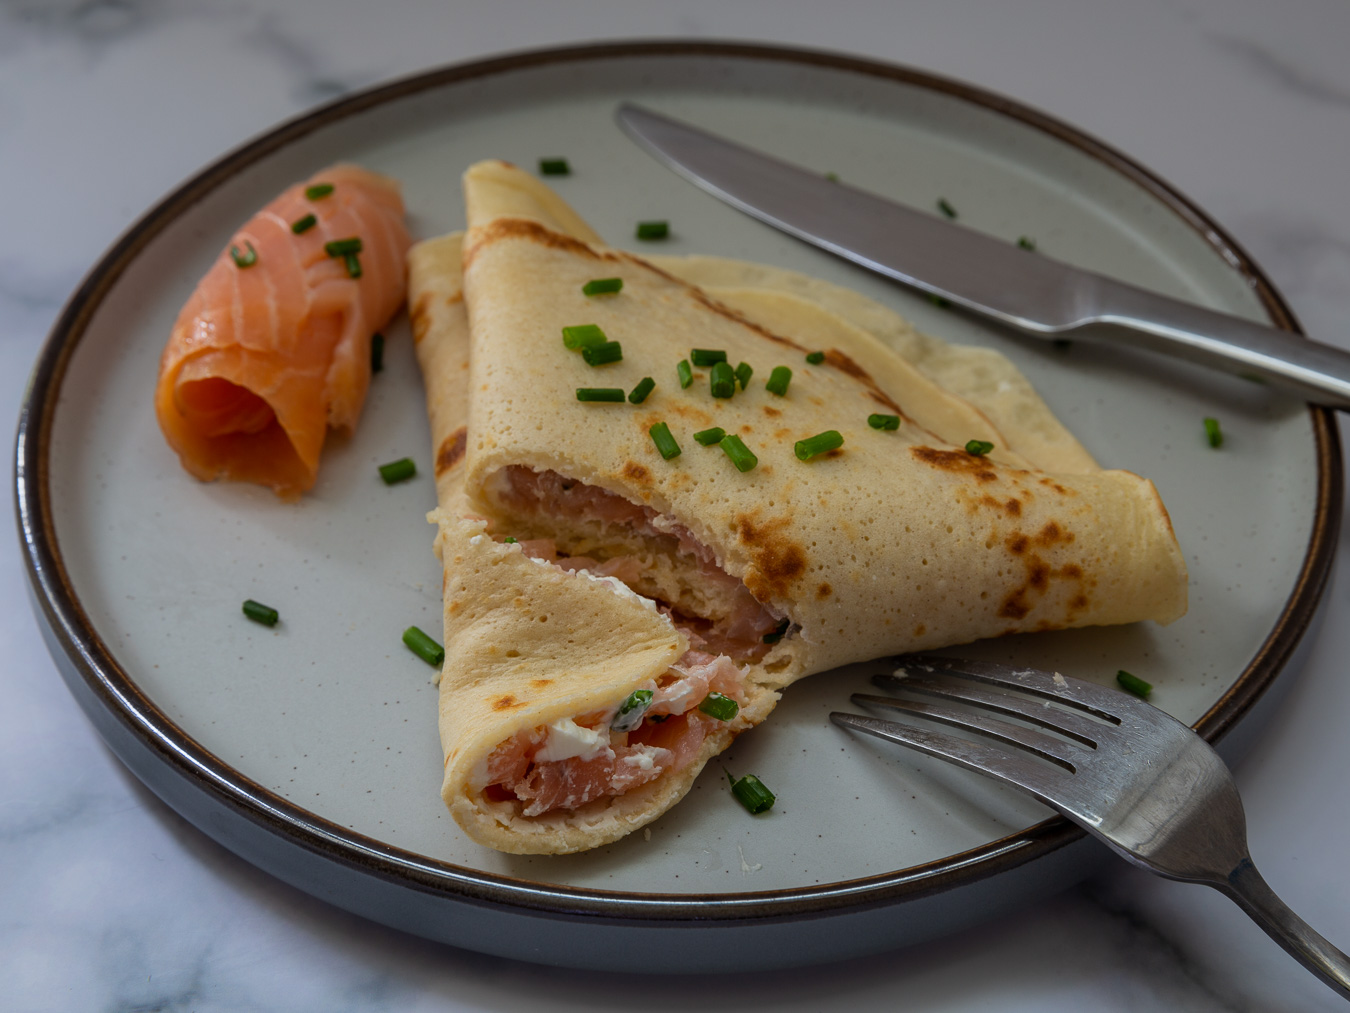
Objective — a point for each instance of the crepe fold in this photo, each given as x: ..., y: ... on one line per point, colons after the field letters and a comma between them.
x: 686, y: 578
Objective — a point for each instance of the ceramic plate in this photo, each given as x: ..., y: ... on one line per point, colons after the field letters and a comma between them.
x: 311, y: 749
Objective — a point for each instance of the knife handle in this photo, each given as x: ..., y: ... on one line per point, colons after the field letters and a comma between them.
x: 1318, y: 372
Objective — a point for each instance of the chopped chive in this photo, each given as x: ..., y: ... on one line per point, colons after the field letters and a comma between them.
x: 398, y: 471
x: 718, y: 706
x: 777, y: 634
x: 1026, y: 242
x: 884, y: 421
x: 242, y: 260
x: 423, y: 646
x: 815, y: 358
x: 653, y: 230
x: 318, y: 191
x: 261, y: 613
x: 741, y: 455
x: 304, y: 224
x: 778, y: 380
x: 946, y: 208
x: 743, y: 373
x: 342, y: 247
x: 722, y: 379
x: 353, y: 264
x: 939, y: 301
x: 833, y: 177
x: 376, y: 352
x: 751, y: 793
x: 602, y: 286
x: 639, y: 393
x: 612, y: 394
x: 685, y: 374
x: 599, y: 355
x: 630, y: 712
x: 1213, y: 433
x: 1134, y: 684
x: 707, y: 356
x: 665, y: 443
x: 510, y: 540
x: 554, y: 167
x: 707, y: 437
x: 821, y: 443
x: 583, y: 336
x: 978, y: 448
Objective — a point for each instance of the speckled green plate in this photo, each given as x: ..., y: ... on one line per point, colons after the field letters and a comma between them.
x: 311, y: 749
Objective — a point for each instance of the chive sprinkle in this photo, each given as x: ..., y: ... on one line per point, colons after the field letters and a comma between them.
x: 611, y: 394
x: 653, y: 230
x: 740, y: 454
x: 884, y: 421
x: 342, y: 247
x: 707, y: 356
x: 685, y: 374
x: 583, y: 336
x: 242, y: 260
x: 821, y: 443
x: 630, y: 712
x: 939, y: 301
x: 1213, y: 433
x: 554, y: 167
x: 751, y: 793
x: 1134, y: 684
x: 510, y: 540
x: 1026, y: 242
x: 777, y: 634
x: 946, y: 208
x: 261, y: 613
x: 722, y: 380
x: 599, y: 355
x: 743, y: 373
x: 815, y: 358
x: 639, y: 393
x: 318, y: 191
x: 602, y: 286
x: 707, y: 437
x: 778, y: 380
x: 833, y: 177
x: 423, y: 646
x: 376, y: 352
x: 978, y: 448
x: 304, y: 224
x: 398, y: 471
x: 353, y: 264
x: 665, y: 443
x: 718, y: 706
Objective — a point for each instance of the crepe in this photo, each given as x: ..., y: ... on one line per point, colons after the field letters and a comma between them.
x: 686, y: 577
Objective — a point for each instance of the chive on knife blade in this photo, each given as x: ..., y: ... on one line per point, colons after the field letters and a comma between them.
x: 992, y: 277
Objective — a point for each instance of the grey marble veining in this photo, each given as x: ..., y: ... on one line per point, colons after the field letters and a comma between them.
x: 109, y: 901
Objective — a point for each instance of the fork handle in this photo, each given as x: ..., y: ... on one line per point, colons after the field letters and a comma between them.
x: 1251, y: 893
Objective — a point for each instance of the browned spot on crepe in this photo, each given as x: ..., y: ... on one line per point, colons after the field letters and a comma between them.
x: 451, y: 451
x: 777, y: 561
x: 824, y: 591
x: 956, y: 461
x: 506, y: 703
x: 528, y: 229
x: 636, y: 472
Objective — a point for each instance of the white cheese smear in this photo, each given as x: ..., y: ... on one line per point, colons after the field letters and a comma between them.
x: 567, y: 739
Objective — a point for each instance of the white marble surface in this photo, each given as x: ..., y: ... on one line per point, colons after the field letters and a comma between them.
x: 109, y: 901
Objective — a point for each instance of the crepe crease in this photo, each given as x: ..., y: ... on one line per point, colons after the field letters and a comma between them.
x: 898, y: 541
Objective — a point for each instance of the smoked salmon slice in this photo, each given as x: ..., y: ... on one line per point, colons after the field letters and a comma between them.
x: 273, y: 347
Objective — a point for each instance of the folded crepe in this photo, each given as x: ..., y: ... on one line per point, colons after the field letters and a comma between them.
x: 604, y: 605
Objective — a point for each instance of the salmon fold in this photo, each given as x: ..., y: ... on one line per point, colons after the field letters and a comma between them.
x: 273, y: 346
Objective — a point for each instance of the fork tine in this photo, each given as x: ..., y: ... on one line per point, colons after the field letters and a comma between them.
x: 1075, y: 726
x: 1065, y: 754
x: 1104, y: 703
x: 1045, y: 782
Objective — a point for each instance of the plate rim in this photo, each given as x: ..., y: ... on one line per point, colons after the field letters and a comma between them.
x: 58, y: 607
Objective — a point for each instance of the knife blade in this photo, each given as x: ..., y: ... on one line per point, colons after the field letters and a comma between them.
x: 1023, y: 289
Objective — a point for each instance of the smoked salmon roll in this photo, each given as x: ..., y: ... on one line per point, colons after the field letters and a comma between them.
x: 273, y: 346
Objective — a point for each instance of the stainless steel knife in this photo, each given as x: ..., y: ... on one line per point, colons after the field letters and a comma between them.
x: 991, y: 277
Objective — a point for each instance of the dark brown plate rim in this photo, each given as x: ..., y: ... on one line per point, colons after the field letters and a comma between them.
x: 58, y: 604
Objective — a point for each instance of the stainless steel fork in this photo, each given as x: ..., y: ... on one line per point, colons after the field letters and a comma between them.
x: 1123, y: 770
